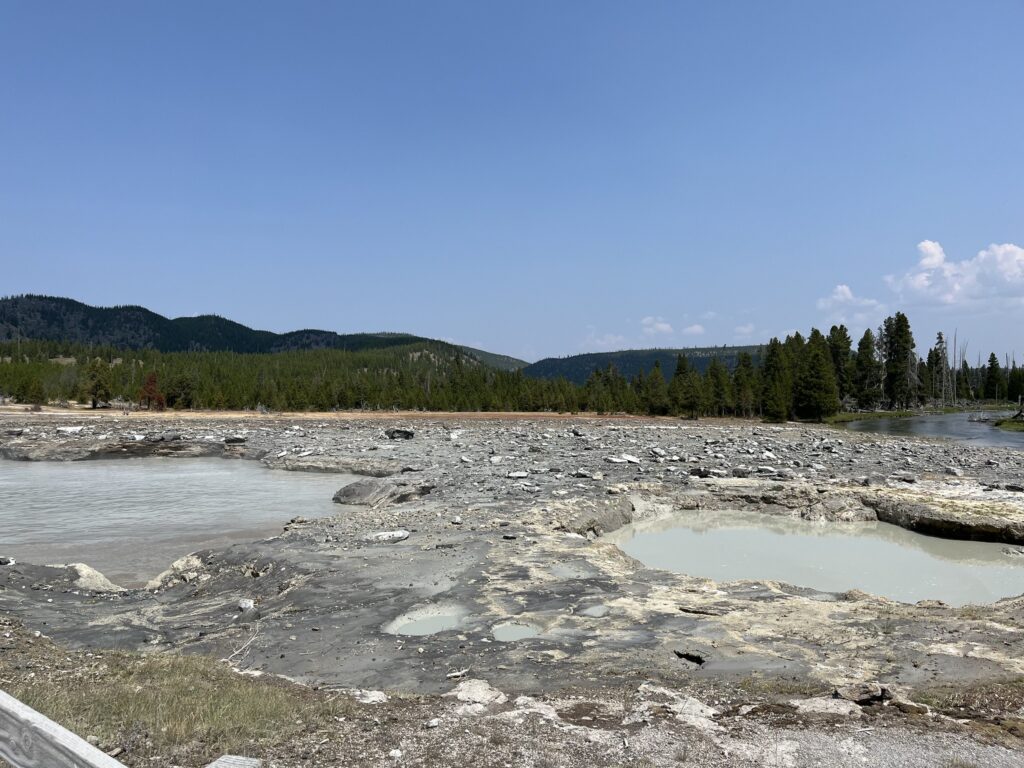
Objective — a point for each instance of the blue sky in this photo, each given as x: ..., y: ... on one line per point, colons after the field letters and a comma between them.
x: 534, y: 178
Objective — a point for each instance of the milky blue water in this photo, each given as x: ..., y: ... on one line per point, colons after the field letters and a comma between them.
x: 875, y: 557
x: 130, y: 518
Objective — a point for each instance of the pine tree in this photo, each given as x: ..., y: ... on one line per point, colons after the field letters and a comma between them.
x: 776, y: 399
x: 840, y: 345
x: 900, y: 361
x: 935, y: 381
x: 815, y: 394
x: 965, y: 383
x: 97, y: 381
x: 719, y: 388
x: 656, y: 392
x: 995, y: 386
x: 677, y: 386
x: 693, y: 394
x: 1015, y: 387
x: 867, y: 372
x: 153, y: 399
x: 744, y: 383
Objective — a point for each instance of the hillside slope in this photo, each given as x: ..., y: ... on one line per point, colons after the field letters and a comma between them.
x: 577, y: 368
x: 59, y: 319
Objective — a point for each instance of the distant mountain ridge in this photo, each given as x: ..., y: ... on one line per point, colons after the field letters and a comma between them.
x: 54, y: 318
x: 630, y: 362
x: 60, y: 319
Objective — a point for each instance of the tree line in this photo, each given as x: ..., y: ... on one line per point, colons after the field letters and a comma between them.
x: 798, y: 377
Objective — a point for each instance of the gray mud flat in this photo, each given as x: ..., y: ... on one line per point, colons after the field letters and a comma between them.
x: 508, y: 521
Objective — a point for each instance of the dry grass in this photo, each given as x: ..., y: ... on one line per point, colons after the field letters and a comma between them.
x: 767, y: 686
x: 175, y: 704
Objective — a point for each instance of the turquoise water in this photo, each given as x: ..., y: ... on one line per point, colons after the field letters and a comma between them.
x: 874, y: 557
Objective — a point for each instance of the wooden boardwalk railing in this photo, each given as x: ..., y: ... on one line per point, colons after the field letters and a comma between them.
x: 31, y: 740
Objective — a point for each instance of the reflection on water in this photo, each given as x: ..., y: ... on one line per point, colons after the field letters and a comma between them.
x: 875, y: 557
x: 130, y: 518
x: 962, y: 427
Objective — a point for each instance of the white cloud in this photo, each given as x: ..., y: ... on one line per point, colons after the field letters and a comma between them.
x: 709, y: 315
x: 994, y: 278
x: 747, y: 329
x: 653, y: 326
x: 932, y: 254
x: 843, y: 306
x: 694, y: 330
x: 603, y: 342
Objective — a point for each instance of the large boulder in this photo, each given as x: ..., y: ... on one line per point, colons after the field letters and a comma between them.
x: 378, y: 492
x: 593, y: 517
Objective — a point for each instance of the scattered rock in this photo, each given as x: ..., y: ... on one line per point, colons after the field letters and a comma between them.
x: 387, y: 537
x: 692, y: 656
x: 370, y: 697
x: 92, y: 580
x: 378, y: 492
x: 863, y: 693
x: 475, y: 691
x: 826, y: 706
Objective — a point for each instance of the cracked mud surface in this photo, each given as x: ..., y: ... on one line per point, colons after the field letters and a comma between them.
x: 493, y: 520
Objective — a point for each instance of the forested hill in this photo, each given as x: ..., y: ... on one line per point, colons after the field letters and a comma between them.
x: 630, y: 362
x: 130, y: 327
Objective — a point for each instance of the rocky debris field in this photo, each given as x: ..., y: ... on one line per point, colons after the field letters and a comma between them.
x: 489, y: 529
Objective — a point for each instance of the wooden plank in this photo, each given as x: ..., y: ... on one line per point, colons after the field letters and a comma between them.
x: 31, y: 740
x: 233, y: 761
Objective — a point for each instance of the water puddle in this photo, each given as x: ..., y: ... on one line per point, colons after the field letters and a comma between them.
x: 874, y: 557
x: 510, y: 631
x: 427, y: 621
x: 130, y: 518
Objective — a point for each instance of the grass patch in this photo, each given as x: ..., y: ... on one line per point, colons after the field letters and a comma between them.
x: 1011, y: 425
x: 847, y: 416
x: 767, y: 686
x: 974, y: 700
x: 162, y: 705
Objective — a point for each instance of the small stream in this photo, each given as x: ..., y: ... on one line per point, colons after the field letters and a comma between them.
x: 875, y: 557
x: 960, y: 427
x: 130, y: 518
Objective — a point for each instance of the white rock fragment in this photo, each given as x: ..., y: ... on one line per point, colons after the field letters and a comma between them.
x: 92, y: 580
x: 476, y: 691
x: 388, y: 537
x: 826, y: 706
x: 370, y: 697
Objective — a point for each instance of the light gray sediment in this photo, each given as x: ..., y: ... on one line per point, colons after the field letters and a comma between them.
x: 505, y: 520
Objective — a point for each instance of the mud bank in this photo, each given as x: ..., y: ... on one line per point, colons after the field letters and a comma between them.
x: 499, y: 521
